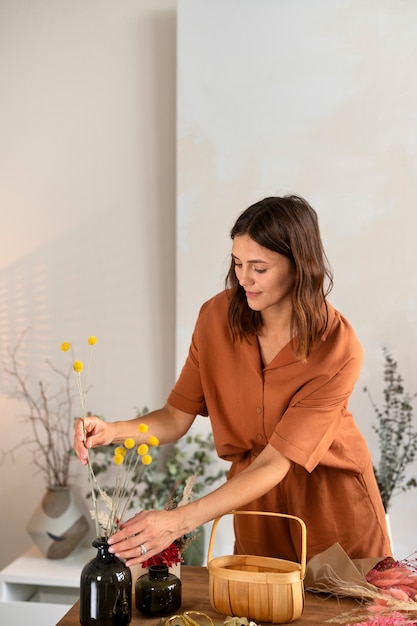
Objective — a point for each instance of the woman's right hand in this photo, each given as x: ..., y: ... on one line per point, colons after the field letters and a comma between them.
x: 91, y: 432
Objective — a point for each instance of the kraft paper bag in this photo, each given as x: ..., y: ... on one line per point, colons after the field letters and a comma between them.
x: 335, y: 573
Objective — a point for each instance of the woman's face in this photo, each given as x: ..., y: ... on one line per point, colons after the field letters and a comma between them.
x: 266, y: 276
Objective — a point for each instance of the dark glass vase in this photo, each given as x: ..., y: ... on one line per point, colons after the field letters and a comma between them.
x: 105, y: 590
x: 158, y: 592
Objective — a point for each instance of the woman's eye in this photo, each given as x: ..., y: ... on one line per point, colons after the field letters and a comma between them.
x: 238, y: 264
x: 260, y: 271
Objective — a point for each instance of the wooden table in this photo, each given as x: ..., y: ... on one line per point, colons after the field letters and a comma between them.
x: 195, y: 598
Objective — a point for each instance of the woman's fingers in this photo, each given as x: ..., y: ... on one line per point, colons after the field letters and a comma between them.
x: 79, y: 446
x: 89, y: 432
x: 142, y: 536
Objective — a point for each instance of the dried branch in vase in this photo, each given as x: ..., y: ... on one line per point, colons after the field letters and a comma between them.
x: 49, y: 415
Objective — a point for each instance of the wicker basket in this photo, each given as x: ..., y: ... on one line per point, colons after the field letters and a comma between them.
x: 263, y: 589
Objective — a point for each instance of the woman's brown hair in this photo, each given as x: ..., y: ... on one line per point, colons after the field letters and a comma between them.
x: 287, y: 225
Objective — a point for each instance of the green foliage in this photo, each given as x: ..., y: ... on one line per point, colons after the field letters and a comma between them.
x: 396, y: 434
x: 166, y: 477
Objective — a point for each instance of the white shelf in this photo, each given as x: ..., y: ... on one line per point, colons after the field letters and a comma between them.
x: 38, y: 591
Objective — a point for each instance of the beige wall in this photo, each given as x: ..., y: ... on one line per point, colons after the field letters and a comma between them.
x: 87, y: 210
x: 320, y: 99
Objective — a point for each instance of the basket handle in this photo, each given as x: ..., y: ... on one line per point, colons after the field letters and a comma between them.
x: 269, y: 513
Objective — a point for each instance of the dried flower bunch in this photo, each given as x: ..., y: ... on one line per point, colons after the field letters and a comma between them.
x: 129, y: 459
x: 387, y: 592
x: 396, y: 434
x: 395, y: 579
x: 49, y: 416
x: 394, y: 603
x: 174, y: 553
x: 192, y: 455
x: 179, y: 472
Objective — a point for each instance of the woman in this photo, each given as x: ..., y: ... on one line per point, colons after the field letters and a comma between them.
x: 273, y: 365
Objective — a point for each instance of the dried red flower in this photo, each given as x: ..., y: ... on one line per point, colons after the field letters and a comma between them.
x: 169, y: 557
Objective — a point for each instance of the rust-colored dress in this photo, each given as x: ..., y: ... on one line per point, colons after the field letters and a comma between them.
x: 302, y: 410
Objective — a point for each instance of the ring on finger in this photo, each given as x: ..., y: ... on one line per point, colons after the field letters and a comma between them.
x: 143, y: 549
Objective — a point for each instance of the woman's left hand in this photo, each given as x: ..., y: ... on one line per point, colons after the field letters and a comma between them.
x: 144, y: 535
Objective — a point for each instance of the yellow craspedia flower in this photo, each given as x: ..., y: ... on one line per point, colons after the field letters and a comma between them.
x: 92, y: 340
x: 118, y: 458
x: 129, y: 443
x: 65, y: 346
x: 153, y: 441
x: 78, y: 366
x: 143, y: 449
x: 147, y: 459
x: 120, y: 450
x: 143, y: 428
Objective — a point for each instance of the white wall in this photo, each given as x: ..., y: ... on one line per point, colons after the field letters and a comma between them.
x: 87, y: 211
x: 320, y: 99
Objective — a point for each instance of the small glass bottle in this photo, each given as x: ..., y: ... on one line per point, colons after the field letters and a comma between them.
x: 158, y: 592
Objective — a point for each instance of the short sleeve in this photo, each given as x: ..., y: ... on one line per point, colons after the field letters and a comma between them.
x: 187, y: 394
x: 317, y: 415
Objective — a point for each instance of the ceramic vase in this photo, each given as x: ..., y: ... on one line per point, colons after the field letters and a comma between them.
x: 105, y: 590
x: 59, y: 523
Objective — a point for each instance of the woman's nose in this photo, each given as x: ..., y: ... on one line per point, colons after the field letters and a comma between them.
x: 245, y: 278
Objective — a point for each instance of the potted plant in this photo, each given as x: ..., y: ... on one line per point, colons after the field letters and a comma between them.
x: 397, y: 436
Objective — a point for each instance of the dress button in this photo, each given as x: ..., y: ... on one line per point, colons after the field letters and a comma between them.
x: 259, y: 437
x: 259, y: 409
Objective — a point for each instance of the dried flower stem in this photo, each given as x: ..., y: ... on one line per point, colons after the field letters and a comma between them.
x: 82, y: 393
x: 121, y: 495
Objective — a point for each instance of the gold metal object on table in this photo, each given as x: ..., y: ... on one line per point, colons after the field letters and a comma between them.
x: 185, y: 619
